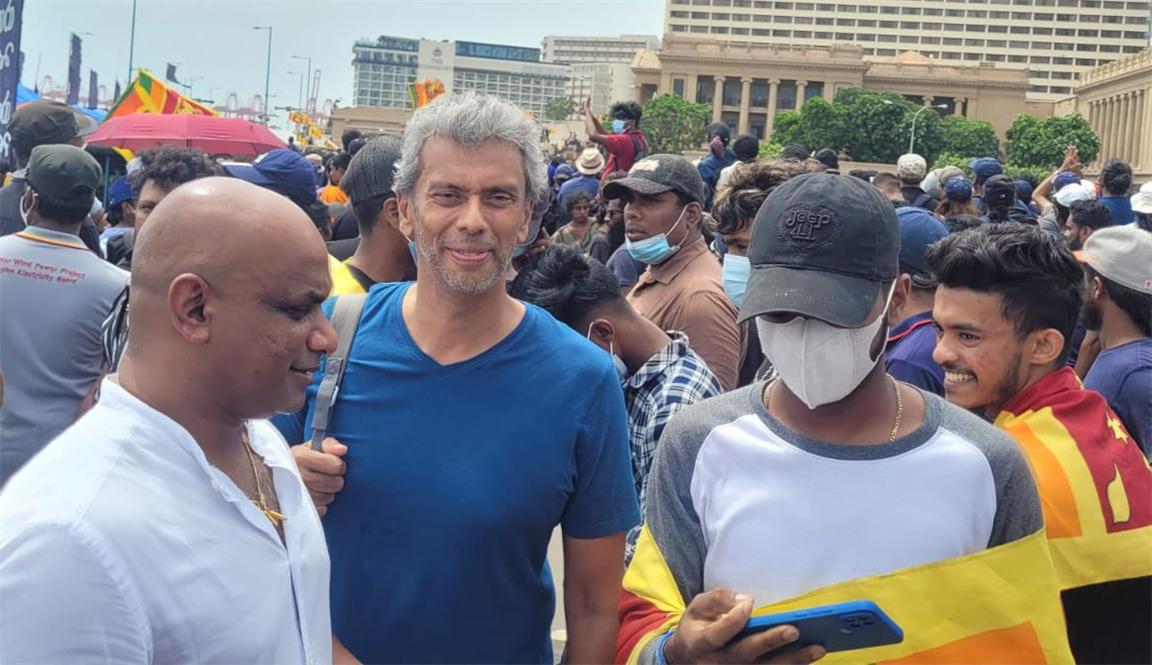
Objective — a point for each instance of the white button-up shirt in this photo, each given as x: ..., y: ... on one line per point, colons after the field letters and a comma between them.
x: 120, y: 543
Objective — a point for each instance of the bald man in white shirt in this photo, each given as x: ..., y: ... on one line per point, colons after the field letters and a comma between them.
x: 170, y: 523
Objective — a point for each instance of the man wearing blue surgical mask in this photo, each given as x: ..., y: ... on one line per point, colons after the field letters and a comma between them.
x: 660, y: 374
x: 682, y: 289
x: 625, y: 142
x: 735, y: 207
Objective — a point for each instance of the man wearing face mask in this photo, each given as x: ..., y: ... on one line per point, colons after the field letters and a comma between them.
x: 659, y: 373
x: 52, y: 354
x: 880, y: 491
x: 736, y: 206
x: 682, y: 288
x: 626, y: 144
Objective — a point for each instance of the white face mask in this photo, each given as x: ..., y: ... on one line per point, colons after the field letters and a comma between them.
x: 819, y: 362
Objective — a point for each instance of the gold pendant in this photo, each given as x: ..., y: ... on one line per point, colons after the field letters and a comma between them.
x: 274, y: 517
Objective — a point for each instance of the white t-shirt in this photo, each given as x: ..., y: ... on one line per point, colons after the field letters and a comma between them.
x: 119, y: 543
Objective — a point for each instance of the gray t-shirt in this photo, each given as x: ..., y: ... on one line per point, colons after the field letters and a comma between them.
x: 54, y: 297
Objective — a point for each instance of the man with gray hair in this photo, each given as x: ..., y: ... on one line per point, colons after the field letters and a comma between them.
x: 468, y: 426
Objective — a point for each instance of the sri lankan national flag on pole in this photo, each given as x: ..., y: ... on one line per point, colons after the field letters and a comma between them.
x: 999, y: 605
x: 147, y: 94
x: 423, y: 92
x: 1095, y: 483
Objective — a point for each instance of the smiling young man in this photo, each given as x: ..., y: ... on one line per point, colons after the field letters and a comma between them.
x: 1005, y: 310
x: 682, y: 289
x: 470, y: 425
x: 835, y: 482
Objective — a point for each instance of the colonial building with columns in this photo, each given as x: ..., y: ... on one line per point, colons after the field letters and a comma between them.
x: 1117, y: 100
x: 748, y: 84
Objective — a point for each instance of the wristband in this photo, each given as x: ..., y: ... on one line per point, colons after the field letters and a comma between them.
x: 660, y: 648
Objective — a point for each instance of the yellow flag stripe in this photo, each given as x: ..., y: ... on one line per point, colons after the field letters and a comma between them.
x: 987, y: 595
x: 1050, y: 433
x: 1125, y: 555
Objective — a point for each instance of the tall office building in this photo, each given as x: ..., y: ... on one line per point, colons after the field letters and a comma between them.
x: 574, y: 50
x: 601, y: 66
x: 1055, y: 39
x: 383, y: 68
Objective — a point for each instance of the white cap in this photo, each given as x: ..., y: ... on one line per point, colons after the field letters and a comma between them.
x: 1142, y: 200
x: 1122, y: 254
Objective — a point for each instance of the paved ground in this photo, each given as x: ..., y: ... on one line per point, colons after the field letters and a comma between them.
x: 556, y: 561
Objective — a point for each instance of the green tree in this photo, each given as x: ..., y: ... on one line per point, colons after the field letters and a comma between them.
x: 1040, y: 143
x: 770, y: 150
x: 786, y: 128
x: 875, y: 129
x: 821, y: 125
x: 673, y: 125
x: 968, y: 138
x: 560, y: 108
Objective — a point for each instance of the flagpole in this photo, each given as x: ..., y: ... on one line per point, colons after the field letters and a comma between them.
x: 132, y: 43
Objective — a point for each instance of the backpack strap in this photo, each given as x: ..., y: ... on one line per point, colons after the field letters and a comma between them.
x: 345, y: 319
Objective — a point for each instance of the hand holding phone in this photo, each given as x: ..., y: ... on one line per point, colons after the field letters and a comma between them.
x: 711, y: 621
x: 858, y: 624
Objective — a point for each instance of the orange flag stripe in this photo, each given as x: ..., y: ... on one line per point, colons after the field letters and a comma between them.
x: 1061, y: 516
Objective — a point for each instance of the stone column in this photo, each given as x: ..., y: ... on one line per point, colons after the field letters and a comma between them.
x: 1143, y: 156
x: 1128, y: 148
x: 690, y: 87
x: 1116, y: 127
x: 829, y: 91
x: 665, y: 83
x: 1146, y: 132
x: 773, y: 91
x: 1106, y: 129
x: 928, y: 99
x: 745, y: 103
x: 958, y: 105
x: 801, y: 86
x: 1140, y: 101
x: 717, y: 97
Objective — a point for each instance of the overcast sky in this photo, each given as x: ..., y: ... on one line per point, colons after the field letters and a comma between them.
x: 213, y: 39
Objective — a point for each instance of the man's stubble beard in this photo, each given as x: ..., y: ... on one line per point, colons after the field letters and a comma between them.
x: 501, y: 261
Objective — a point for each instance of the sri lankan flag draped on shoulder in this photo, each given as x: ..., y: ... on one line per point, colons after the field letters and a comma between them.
x: 999, y: 605
x: 1095, y: 483
x: 149, y: 95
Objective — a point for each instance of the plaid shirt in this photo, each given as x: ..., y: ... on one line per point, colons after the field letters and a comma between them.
x: 673, y: 378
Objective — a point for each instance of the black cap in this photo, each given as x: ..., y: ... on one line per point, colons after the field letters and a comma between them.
x: 822, y: 247
x: 372, y: 169
x: 46, y: 122
x: 999, y: 191
x: 657, y: 174
x: 64, y: 174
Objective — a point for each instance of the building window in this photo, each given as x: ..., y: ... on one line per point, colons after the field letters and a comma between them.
x: 786, y: 96
x: 678, y: 87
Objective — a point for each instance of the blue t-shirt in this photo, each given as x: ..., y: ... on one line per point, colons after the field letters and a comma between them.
x: 1120, y: 207
x: 457, y: 476
x: 1123, y: 375
x: 909, y: 354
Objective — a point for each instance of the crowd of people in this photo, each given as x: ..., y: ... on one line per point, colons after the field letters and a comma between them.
x: 308, y: 410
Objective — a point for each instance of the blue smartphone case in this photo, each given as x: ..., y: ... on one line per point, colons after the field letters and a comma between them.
x: 858, y: 624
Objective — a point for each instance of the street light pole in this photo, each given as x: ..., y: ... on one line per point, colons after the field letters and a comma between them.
x: 912, y: 138
x: 132, y: 43
x: 267, y: 71
x: 301, y: 107
x: 309, y: 79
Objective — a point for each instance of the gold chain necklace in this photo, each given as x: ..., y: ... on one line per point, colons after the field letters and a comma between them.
x: 276, y: 518
x: 899, y: 405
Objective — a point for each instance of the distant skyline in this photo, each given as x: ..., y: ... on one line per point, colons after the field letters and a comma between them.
x: 216, y: 50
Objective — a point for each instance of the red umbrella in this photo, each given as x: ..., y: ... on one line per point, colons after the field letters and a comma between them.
x: 213, y: 135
